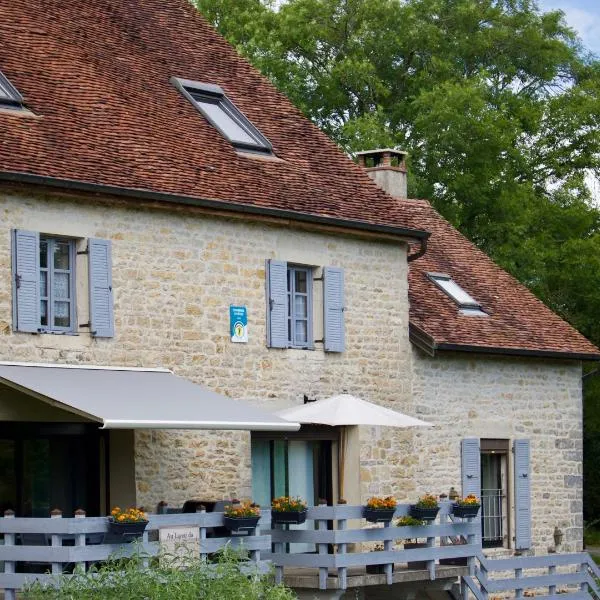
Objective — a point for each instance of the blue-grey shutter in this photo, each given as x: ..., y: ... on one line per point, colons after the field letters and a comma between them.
x: 277, y: 304
x: 522, y: 495
x: 334, y: 337
x: 471, y: 467
x: 26, y: 280
x: 101, y: 293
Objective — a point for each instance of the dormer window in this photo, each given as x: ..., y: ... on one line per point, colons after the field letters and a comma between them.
x: 9, y: 96
x: 222, y: 114
x: 467, y: 305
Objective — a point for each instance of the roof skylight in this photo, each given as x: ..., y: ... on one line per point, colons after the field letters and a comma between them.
x: 9, y: 96
x: 466, y: 303
x: 220, y: 112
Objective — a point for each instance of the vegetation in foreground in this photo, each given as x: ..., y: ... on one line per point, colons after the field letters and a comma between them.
x: 180, y: 576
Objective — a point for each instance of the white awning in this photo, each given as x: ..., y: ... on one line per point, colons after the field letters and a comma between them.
x: 132, y: 398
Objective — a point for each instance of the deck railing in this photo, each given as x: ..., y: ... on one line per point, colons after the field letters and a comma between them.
x: 338, y: 527
x: 55, y: 543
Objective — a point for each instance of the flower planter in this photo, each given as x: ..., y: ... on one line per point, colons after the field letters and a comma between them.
x: 465, y: 511
x: 235, y: 524
x: 424, y: 514
x: 291, y: 517
x: 415, y: 564
x: 127, y: 530
x: 378, y: 515
x: 377, y: 569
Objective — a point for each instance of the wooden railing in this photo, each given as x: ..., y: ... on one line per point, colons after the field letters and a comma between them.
x: 333, y: 528
x: 55, y: 543
x: 570, y: 576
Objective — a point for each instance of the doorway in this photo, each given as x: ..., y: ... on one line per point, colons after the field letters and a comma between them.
x: 494, y: 493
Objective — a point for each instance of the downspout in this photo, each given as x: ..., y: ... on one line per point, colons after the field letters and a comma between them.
x: 422, y: 249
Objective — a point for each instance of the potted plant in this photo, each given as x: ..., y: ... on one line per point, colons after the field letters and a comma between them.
x: 411, y: 545
x: 426, y: 508
x: 286, y: 509
x: 128, y: 523
x: 240, y: 517
x: 380, y: 510
x: 467, y: 507
x: 380, y: 568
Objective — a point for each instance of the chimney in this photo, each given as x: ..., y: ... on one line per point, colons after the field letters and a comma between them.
x: 387, y: 168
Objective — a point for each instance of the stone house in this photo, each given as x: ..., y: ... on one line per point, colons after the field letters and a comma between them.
x: 150, y: 179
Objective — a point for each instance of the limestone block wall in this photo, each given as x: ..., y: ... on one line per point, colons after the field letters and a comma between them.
x: 468, y: 395
x: 175, y: 273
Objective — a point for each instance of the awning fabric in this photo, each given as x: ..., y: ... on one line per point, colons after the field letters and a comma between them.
x: 126, y: 398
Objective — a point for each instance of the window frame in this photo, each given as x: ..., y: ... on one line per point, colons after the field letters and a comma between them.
x: 51, y: 242
x: 197, y: 93
x: 471, y: 308
x: 292, y: 318
x: 12, y: 98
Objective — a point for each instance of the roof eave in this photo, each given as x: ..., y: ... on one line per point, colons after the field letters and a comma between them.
x: 405, y: 233
x: 427, y: 343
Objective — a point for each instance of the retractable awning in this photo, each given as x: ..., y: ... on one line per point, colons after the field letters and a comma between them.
x: 131, y: 398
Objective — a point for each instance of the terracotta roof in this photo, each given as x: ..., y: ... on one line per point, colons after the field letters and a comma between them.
x: 97, y: 74
x: 518, y: 323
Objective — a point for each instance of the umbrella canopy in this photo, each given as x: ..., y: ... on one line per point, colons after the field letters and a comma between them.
x: 345, y: 409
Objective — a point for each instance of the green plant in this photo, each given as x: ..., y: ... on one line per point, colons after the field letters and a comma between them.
x: 131, y: 515
x: 427, y: 501
x: 186, y: 577
x: 470, y: 500
x: 242, y: 510
x: 288, y: 504
x: 377, y: 502
x: 409, y: 521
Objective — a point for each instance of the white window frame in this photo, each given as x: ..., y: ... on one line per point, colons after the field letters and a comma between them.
x: 50, y: 271
x: 292, y: 317
x: 9, y: 95
x: 470, y: 307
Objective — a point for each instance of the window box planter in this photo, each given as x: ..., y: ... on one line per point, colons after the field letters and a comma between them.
x: 235, y: 524
x: 415, y: 564
x: 465, y: 511
x: 378, y: 515
x: 290, y: 517
x: 127, y: 530
x: 424, y: 514
x: 377, y: 569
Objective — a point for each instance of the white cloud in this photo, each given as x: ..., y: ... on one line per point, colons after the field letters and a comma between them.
x: 585, y: 22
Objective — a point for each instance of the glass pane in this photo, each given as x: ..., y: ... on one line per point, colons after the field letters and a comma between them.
x: 43, y: 284
x: 301, y: 332
x: 61, y: 314
x: 43, y: 254
x: 301, y: 281
x: 300, y: 306
x: 61, y: 285
x: 261, y: 472
x: 226, y: 123
x: 44, y: 312
x: 8, y: 478
x: 455, y: 291
x: 61, y: 256
x: 279, y: 469
x: 36, y: 478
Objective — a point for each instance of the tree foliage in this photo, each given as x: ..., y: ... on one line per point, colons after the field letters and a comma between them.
x: 497, y: 103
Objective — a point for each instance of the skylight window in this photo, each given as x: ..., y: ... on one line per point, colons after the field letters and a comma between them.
x: 222, y: 114
x: 9, y: 96
x: 467, y: 304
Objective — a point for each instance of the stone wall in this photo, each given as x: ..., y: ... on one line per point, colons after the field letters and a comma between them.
x: 175, y: 273
x: 508, y: 398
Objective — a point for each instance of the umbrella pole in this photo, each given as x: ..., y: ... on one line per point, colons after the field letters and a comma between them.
x: 342, y: 459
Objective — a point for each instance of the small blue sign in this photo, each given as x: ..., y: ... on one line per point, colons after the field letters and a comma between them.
x: 238, y: 324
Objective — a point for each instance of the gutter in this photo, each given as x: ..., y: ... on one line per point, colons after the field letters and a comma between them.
x: 222, y: 205
x: 422, y: 249
x: 426, y: 343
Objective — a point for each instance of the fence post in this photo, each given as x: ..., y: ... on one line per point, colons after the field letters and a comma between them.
x: 255, y: 554
x: 203, y: 555
x: 342, y: 548
x: 518, y: 591
x: 583, y: 586
x: 80, y: 537
x: 431, y: 563
x: 56, y: 542
x: 278, y: 548
x: 388, y: 567
x: 323, y: 571
x: 9, y: 565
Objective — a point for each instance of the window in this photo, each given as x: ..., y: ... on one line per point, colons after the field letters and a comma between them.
x: 44, y: 278
x: 218, y: 110
x: 57, y: 303
x: 9, y: 96
x: 467, y: 304
x: 299, y: 290
x: 494, y: 492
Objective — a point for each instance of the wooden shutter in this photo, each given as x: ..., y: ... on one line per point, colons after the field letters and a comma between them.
x: 277, y: 304
x: 101, y: 294
x: 26, y: 280
x: 333, y: 309
x: 522, y: 495
x: 471, y: 467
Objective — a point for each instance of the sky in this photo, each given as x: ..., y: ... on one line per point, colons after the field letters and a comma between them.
x: 583, y: 16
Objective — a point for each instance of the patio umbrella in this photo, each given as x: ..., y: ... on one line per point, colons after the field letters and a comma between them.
x: 345, y: 409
